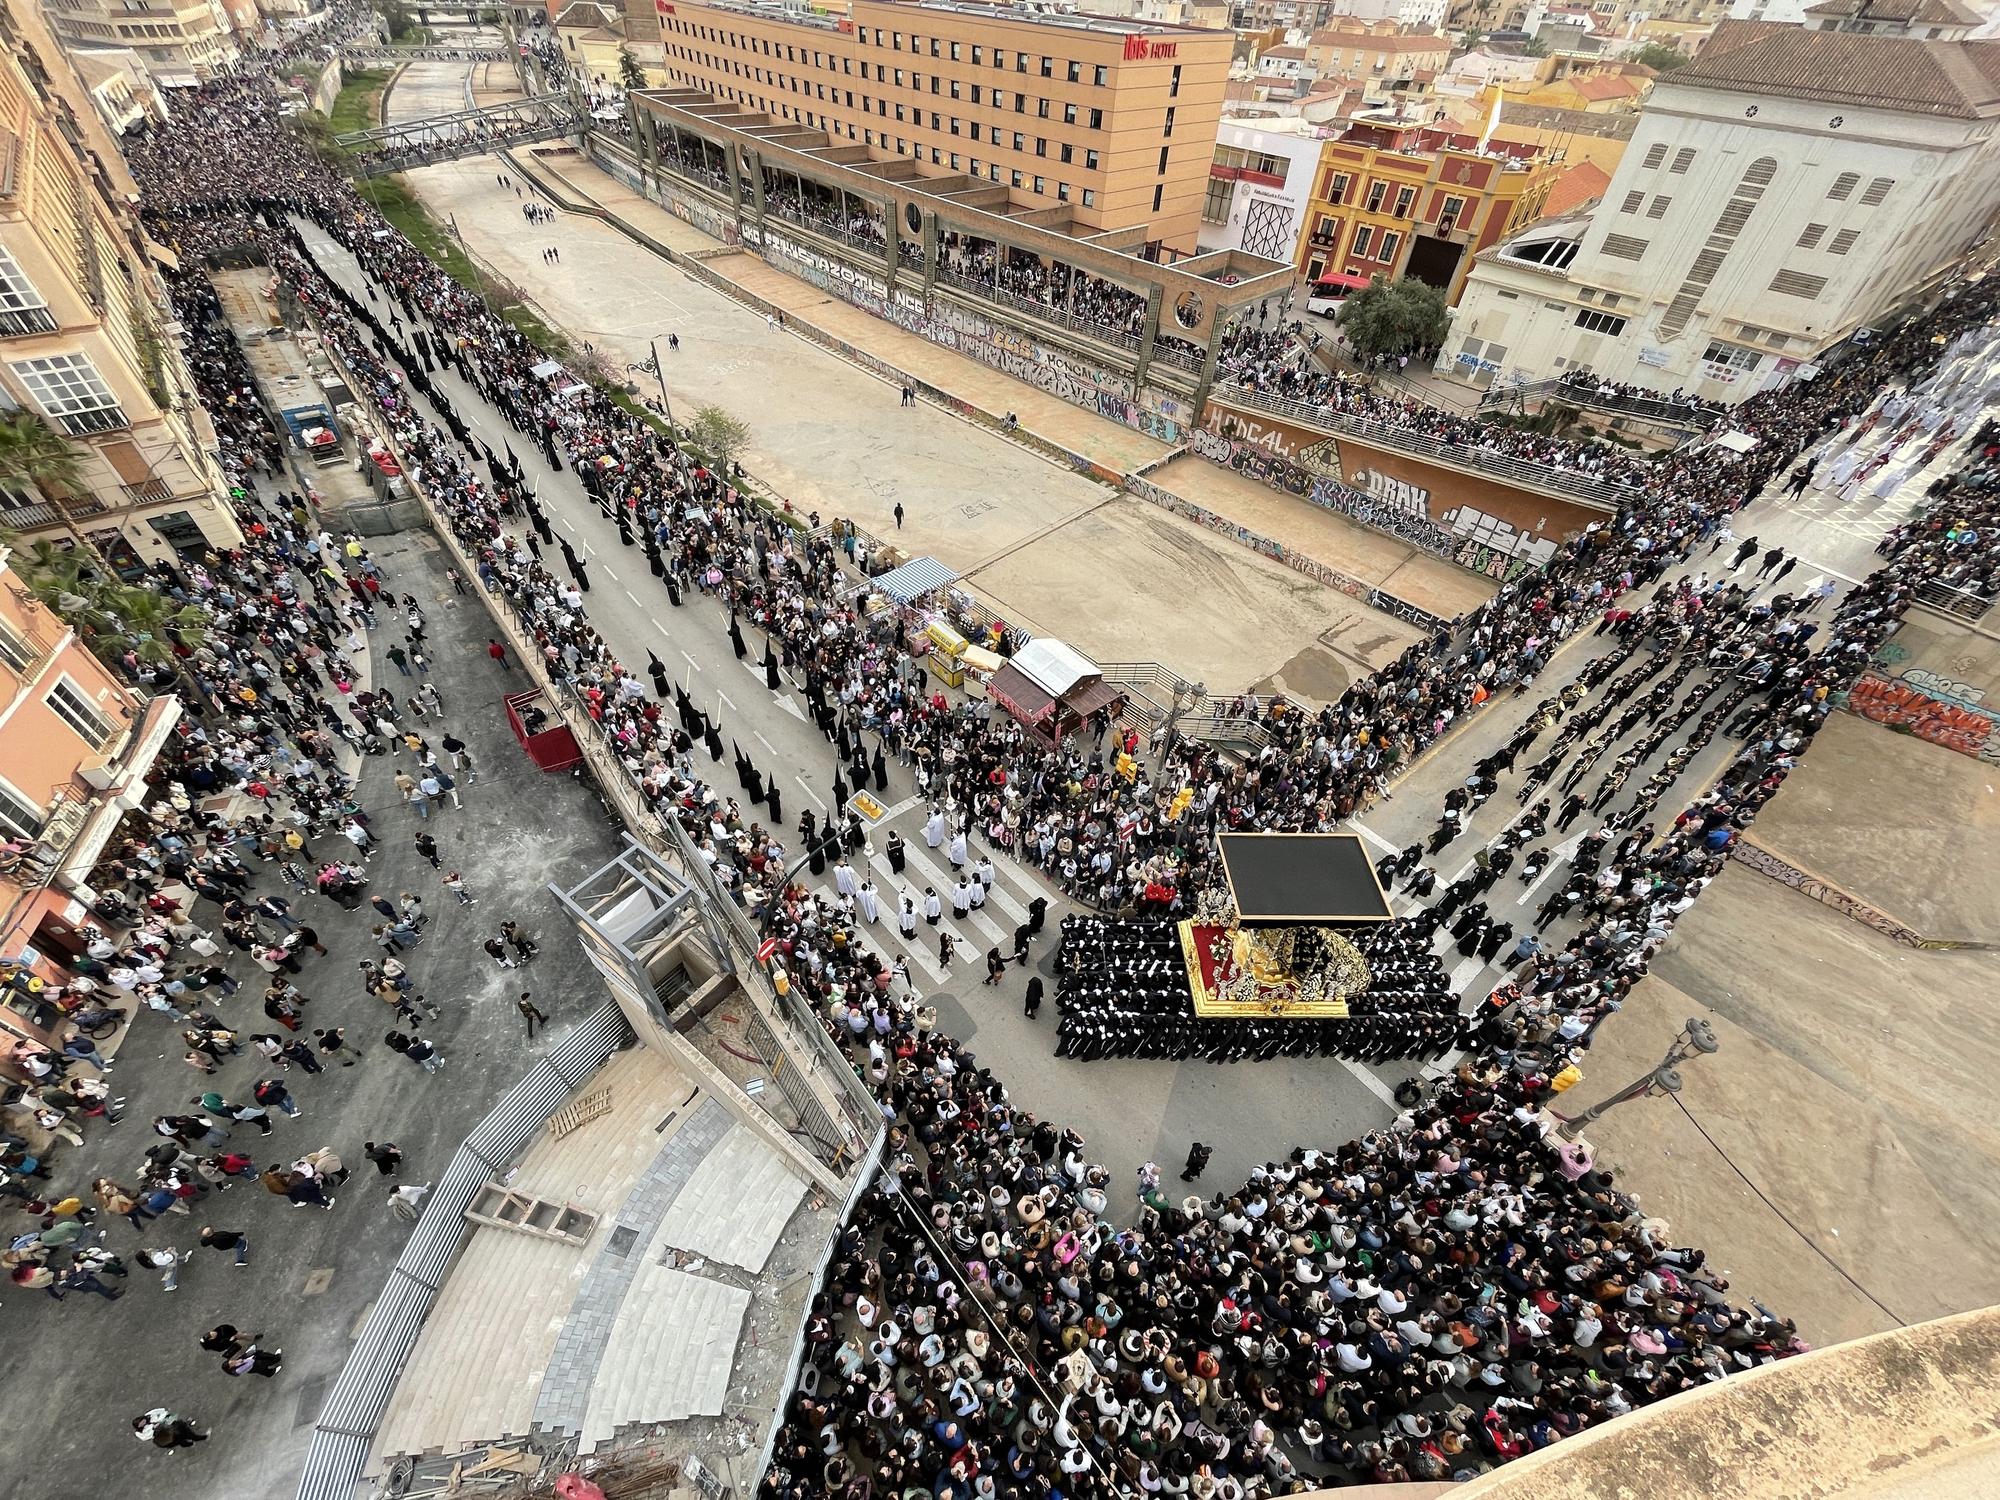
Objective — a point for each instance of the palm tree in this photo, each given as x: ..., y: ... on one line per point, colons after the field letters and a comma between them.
x: 150, y: 625
x: 36, y: 458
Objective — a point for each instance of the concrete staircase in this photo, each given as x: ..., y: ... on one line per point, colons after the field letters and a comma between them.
x: 735, y: 1205
x: 670, y: 1360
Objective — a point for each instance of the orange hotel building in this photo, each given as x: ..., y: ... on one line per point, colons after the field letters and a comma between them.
x: 1111, y: 119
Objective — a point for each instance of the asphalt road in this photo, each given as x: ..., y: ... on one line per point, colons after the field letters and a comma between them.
x: 85, y: 1367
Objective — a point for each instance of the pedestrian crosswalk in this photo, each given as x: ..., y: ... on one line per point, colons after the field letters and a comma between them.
x: 992, y: 926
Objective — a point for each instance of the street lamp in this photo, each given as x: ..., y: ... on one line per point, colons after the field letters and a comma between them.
x: 1697, y: 1039
x: 1195, y: 692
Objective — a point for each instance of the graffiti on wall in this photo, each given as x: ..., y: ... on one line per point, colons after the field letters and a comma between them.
x: 1310, y: 476
x: 688, y: 209
x: 1001, y: 346
x: 1935, y: 709
x: 1764, y: 862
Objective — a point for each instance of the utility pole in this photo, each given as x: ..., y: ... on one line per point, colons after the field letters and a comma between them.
x: 1697, y: 1039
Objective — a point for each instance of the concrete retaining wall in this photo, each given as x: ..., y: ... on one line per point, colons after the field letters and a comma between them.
x: 1914, y: 1412
x: 1939, y: 680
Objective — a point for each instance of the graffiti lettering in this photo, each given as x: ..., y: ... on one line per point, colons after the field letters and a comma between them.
x: 1945, y: 687
x: 1402, y: 609
x: 824, y: 269
x: 1400, y: 493
x: 1764, y: 862
x: 1904, y: 705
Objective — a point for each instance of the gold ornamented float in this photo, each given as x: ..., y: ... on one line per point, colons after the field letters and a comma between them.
x: 1268, y: 947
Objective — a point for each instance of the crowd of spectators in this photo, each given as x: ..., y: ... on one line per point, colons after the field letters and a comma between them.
x: 1436, y: 1297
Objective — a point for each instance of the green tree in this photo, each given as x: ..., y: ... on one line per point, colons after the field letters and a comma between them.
x: 1389, y: 319
x: 112, y: 618
x: 1660, y: 57
x: 317, y: 133
x: 34, y: 456
x: 397, y: 19
x: 1534, y: 46
x: 35, y: 459
x: 1469, y: 40
x: 718, y: 434
x: 629, y: 72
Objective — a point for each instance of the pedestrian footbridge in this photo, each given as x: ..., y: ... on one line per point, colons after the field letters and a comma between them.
x: 466, y: 132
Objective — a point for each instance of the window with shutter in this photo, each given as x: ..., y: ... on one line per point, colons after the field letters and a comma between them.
x: 1632, y: 202
x: 1624, y: 246
x: 1797, y: 284
x: 1843, y: 242
x: 1657, y: 209
x: 1655, y: 154
x: 1843, y: 185
x: 1721, y: 240
x: 1683, y: 159
x: 1810, y: 235
x: 1878, y: 190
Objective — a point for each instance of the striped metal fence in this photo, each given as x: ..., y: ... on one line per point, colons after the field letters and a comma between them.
x: 345, y: 1431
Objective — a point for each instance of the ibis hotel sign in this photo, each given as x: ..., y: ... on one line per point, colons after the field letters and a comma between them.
x: 1145, y: 49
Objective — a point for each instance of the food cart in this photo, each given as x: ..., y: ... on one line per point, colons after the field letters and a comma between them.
x: 945, y: 658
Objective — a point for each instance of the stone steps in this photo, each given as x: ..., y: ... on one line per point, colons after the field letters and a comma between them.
x: 735, y: 1205
x: 673, y: 1359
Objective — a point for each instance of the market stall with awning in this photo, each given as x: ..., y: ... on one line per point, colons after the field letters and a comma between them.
x: 914, y: 579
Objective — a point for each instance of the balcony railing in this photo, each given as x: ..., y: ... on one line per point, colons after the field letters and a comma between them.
x: 19, y: 322
x: 1962, y: 604
x: 1048, y: 314
x: 774, y: 209
x: 1178, y: 359
x: 37, y: 514
x: 682, y: 168
x: 1585, y: 487
x: 147, y: 491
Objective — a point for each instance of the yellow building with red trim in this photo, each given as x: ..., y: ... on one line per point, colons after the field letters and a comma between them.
x: 1402, y: 199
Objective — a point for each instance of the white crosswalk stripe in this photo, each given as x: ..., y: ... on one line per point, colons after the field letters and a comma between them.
x: 975, y: 932
x: 934, y: 874
x: 888, y: 937
x: 1558, y: 861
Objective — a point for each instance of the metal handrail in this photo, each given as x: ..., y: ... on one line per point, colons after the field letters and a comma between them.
x: 774, y: 209
x: 1961, y: 604
x: 1047, y: 312
x: 345, y: 1427
x: 1581, y: 393
x: 1603, y: 492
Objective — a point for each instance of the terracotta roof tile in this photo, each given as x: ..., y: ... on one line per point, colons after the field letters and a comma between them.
x: 1605, y: 86
x: 1583, y: 183
x: 1960, y: 79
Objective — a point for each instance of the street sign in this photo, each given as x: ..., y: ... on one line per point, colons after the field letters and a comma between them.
x: 766, y: 948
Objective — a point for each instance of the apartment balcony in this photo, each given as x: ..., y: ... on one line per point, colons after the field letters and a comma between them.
x: 1247, y: 174
x: 24, y: 322
x: 83, y: 814
x: 39, y: 515
x: 146, y: 492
